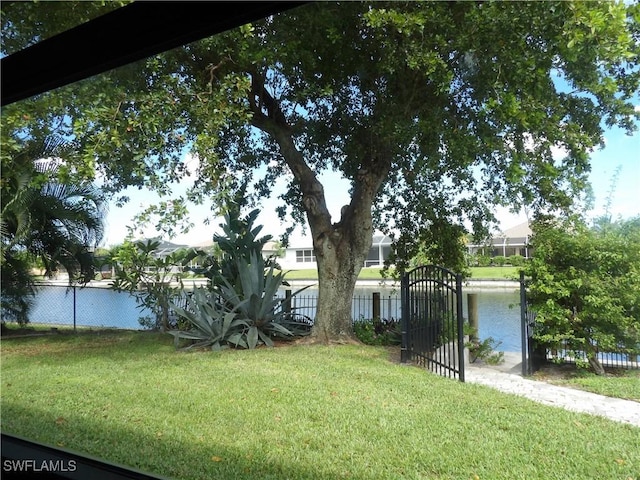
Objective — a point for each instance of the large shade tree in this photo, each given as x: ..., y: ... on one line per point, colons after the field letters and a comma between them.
x: 434, y: 111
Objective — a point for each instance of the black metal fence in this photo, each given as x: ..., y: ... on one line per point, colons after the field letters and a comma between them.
x: 626, y: 361
x: 363, y: 307
x: 533, y: 355
x: 103, y: 307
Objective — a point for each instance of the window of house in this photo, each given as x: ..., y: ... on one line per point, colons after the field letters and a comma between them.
x: 305, y: 256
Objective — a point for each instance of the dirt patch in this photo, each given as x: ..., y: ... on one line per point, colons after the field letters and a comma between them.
x: 553, y: 372
x: 314, y: 340
x: 394, y: 354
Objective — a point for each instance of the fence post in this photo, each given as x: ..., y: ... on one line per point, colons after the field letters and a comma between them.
x: 524, y: 327
x: 460, y: 326
x: 376, y: 306
x: 404, y: 315
x: 472, y: 307
x: 74, y: 309
x: 287, y: 301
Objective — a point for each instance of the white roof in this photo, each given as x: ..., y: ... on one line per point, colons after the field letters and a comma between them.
x: 522, y: 230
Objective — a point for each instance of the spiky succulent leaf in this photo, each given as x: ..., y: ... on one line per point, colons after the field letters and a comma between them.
x: 252, y: 337
x: 265, y: 339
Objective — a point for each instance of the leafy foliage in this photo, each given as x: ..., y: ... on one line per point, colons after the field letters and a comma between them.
x: 482, y: 349
x: 378, y: 331
x: 434, y: 112
x: 585, y: 287
x: 516, y: 260
x: 154, y: 280
x: 43, y: 220
x: 18, y: 287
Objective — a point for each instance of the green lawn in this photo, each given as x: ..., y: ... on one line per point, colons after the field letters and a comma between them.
x: 295, y: 412
x: 617, y: 383
x: 494, y: 273
x: 312, y: 274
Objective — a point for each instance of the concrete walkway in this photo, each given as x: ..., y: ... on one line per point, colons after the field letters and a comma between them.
x: 507, y: 378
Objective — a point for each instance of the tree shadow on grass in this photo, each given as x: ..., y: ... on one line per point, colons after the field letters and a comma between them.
x: 157, y: 453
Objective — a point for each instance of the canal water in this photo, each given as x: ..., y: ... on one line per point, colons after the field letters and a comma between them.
x: 498, y: 309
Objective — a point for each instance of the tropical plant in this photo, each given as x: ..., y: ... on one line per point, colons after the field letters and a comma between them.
x: 154, y: 280
x: 245, y: 314
x: 18, y: 288
x: 209, y: 324
x: 254, y: 299
x: 239, y: 239
x: 58, y: 224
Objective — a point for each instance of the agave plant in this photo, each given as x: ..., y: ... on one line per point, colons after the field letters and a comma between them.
x: 211, y: 325
x: 255, y: 303
x: 246, y: 311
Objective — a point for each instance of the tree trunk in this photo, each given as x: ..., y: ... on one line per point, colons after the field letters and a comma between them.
x: 592, y: 356
x: 595, y: 364
x: 339, y: 263
x: 340, y: 248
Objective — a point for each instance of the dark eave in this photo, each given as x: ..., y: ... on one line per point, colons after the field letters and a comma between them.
x: 133, y: 32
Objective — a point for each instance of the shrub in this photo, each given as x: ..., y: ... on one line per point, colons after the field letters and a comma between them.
x: 499, y: 260
x: 148, y: 277
x: 485, y: 350
x: 377, y: 331
x: 483, y: 260
x: 584, y: 287
x: 516, y: 260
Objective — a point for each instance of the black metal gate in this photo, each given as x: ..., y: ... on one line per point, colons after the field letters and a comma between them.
x: 432, y: 322
x: 533, y: 356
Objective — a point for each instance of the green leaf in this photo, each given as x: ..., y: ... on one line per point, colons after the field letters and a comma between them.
x: 252, y: 337
x: 265, y: 339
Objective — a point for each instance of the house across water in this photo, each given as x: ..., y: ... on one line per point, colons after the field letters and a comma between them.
x: 301, y: 256
x: 513, y: 241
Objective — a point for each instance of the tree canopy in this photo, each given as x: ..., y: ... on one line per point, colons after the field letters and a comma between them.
x: 435, y: 112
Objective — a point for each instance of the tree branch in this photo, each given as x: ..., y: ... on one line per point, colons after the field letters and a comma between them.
x: 268, y: 117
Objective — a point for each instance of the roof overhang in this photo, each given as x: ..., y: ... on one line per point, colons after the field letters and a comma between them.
x: 127, y: 34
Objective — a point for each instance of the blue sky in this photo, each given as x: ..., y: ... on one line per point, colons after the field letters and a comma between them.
x: 620, y: 151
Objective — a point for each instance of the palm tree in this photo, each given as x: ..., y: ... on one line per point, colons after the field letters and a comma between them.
x: 42, y: 218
